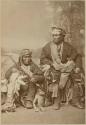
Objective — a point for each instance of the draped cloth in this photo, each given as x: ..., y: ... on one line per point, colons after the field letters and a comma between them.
x: 16, y: 79
x: 26, y: 69
x: 65, y: 69
x: 56, y: 52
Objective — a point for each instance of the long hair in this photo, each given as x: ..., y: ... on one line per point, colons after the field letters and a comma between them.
x: 23, y: 53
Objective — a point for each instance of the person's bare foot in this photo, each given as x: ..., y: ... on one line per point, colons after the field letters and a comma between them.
x: 56, y: 107
x: 36, y: 110
x: 28, y: 105
x: 79, y: 106
x: 42, y: 109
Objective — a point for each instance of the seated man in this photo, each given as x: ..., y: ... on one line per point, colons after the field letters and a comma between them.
x: 32, y: 75
x: 62, y: 57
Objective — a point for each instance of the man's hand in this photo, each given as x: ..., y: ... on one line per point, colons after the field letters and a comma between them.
x: 45, y: 67
x: 57, y: 66
x: 77, y: 70
x: 38, y: 85
x: 20, y: 79
x: 68, y: 67
x: 33, y: 79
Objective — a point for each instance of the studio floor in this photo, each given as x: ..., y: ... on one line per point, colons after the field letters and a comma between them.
x: 66, y: 115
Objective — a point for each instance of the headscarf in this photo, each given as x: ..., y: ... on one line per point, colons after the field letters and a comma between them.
x: 24, y: 52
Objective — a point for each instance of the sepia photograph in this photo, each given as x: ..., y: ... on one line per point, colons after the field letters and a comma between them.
x: 42, y: 62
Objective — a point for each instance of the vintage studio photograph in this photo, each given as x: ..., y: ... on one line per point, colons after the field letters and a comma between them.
x: 43, y: 62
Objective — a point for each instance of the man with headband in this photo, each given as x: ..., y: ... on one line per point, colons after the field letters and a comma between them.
x: 63, y: 58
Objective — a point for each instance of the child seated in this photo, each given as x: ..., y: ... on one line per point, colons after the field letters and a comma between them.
x: 39, y: 100
x: 52, y: 81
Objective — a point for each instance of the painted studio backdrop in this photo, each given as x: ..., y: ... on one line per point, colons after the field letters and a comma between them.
x: 26, y: 24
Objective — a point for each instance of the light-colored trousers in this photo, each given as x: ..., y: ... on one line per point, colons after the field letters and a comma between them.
x: 65, y: 72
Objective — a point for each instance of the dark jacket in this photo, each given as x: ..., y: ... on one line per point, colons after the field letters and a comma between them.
x: 68, y: 52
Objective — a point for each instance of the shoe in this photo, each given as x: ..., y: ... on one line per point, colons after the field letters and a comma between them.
x: 28, y: 105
